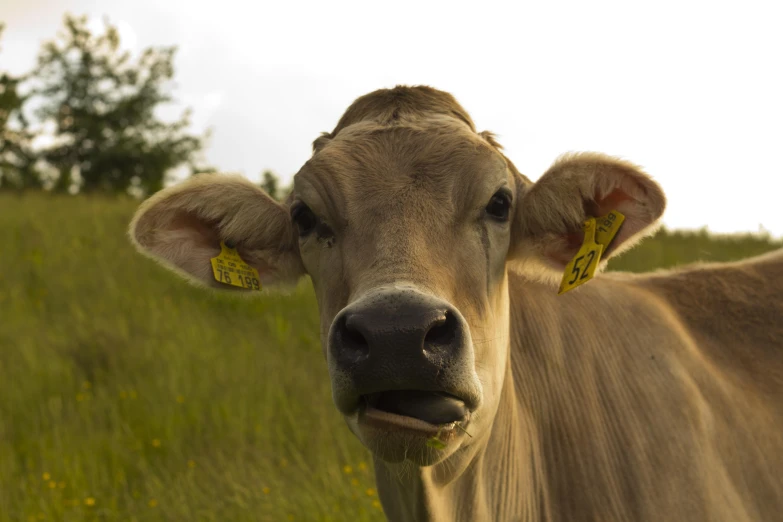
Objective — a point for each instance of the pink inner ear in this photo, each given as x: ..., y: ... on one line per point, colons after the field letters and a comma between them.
x: 202, y: 234
x: 601, y: 206
x: 615, y: 200
x: 203, y: 237
x: 629, y: 206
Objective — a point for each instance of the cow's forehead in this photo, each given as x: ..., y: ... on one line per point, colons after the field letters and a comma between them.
x: 438, y: 161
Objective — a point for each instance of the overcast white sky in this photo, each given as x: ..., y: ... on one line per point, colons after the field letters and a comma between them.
x: 692, y: 91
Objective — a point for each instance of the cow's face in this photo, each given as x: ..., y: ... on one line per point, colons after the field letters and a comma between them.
x: 406, y: 231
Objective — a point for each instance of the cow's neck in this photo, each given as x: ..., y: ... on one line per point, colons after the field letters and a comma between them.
x: 595, y: 422
x: 506, y: 476
x: 497, y: 478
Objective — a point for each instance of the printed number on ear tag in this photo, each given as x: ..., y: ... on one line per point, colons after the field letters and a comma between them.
x: 607, y: 227
x: 228, y: 268
x: 581, y: 268
x: 599, y: 233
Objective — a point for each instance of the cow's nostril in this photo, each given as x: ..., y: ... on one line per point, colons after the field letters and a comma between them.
x: 409, y: 333
x: 352, y: 338
x: 443, y: 330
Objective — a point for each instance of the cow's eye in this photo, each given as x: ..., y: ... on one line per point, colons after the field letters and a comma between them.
x: 499, y: 206
x: 303, y: 218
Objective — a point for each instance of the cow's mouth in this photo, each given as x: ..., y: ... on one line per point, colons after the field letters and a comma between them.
x: 434, y: 408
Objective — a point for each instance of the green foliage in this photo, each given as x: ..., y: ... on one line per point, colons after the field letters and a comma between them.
x: 17, y: 160
x: 102, y: 106
x: 130, y: 395
x: 131, y: 387
x: 669, y: 249
x: 270, y: 184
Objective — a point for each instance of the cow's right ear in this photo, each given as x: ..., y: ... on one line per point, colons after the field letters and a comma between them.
x: 548, y: 223
x: 182, y: 227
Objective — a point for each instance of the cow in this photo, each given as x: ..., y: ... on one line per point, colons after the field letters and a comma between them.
x: 482, y: 392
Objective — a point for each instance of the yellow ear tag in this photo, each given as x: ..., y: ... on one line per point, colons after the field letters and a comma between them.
x: 228, y: 268
x: 599, y: 233
x: 581, y: 268
x: 608, y: 226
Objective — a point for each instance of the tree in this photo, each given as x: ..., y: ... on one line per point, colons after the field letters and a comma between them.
x: 17, y: 159
x: 270, y: 184
x: 102, y: 106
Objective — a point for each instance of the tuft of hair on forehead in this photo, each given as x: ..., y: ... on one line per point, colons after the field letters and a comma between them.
x: 388, y: 106
x: 491, y: 138
x: 400, y: 105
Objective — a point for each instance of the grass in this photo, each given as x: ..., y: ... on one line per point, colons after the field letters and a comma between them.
x: 129, y: 395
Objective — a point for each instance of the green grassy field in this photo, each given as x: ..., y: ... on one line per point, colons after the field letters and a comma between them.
x: 129, y: 395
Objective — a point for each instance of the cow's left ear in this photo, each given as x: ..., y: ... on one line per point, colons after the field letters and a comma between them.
x: 182, y: 228
x: 547, y: 230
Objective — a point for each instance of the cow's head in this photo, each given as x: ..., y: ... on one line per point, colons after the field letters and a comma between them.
x: 406, y: 219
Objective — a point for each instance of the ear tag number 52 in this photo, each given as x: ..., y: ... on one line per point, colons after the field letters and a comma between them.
x: 229, y: 268
x: 598, y: 235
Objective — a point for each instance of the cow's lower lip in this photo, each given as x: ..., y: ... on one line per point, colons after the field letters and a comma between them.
x: 386, y: 421
x: 415, y: 409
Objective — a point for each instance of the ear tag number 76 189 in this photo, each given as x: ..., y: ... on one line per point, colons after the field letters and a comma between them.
x: 598, y: 235
x: 229, y: 268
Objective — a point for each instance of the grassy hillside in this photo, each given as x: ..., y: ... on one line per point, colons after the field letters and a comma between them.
x: 129, y: 395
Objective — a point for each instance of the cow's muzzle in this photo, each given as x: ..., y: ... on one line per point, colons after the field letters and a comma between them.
x: 405, y: 353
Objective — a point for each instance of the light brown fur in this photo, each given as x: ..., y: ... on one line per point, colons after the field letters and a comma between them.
x: 633, y: 397
x: 176, y: 228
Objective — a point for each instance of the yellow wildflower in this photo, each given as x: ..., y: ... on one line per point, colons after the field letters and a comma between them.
x: 362, y: 466
x: 191, y: 464
x: 152, y: 503
x: 370, y: 492
x: 52, y: 484
x: 156, y: 443
x: 376, y: 504
x: 266, y: 490
x: 347, y: 469
x: 89, y: 501
x: 46, y: 476
x: 180, y: 399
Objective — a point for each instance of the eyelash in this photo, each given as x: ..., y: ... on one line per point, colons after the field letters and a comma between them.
x: 306, y: 221
x: 304, y: 218
x: 499, y: 206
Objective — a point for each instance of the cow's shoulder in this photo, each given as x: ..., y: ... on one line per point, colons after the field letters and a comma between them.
x: 726, y: 297
x: 734, y: 312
